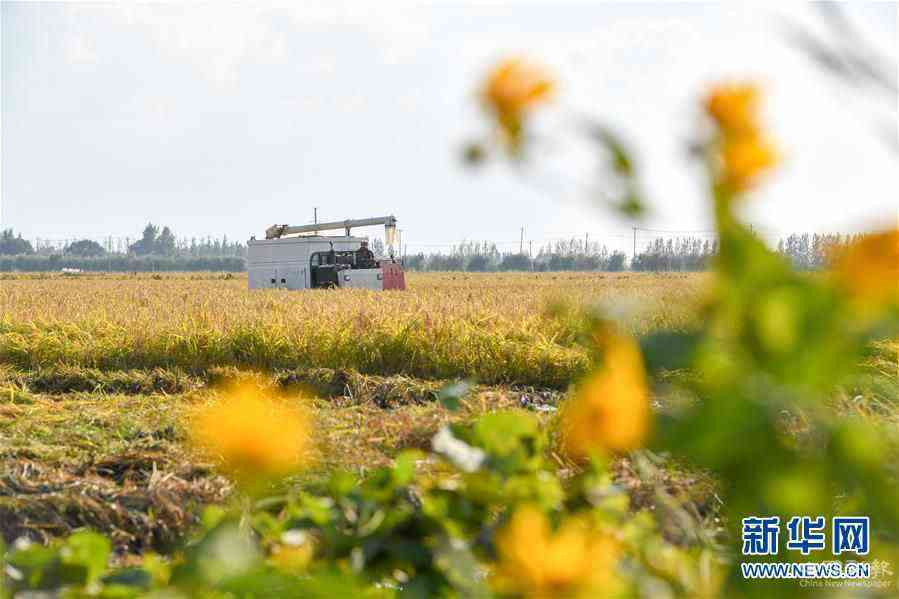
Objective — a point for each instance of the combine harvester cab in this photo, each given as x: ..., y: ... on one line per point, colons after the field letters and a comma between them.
x: 298, y: 257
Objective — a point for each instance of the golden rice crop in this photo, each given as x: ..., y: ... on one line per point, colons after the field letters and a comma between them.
x: 492, y: 327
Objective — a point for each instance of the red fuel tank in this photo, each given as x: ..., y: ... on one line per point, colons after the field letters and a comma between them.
x: 394, y: 277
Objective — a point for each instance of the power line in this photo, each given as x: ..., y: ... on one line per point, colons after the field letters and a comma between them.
x: 680, y: 231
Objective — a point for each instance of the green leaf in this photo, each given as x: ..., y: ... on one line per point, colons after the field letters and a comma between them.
x: 455, y: 560
x: 502, y: 433
x: 404, y: 467
x: 474, y: 153
x: 619, y: 155
x: 222, y: 553
x: 212, y: 516
x: 341, y: 483
x: 130, y: 577
x: 451, y: 395
x: 632, y: 205
x: 89, y: 550
x: 33, y: 563
x: 668, y: 350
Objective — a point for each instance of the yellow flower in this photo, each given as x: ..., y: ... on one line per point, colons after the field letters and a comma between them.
x: 744, y: 152
x: 292, y: 560
x: 257, y: 437
x: 734, y: 107
x: 576, y: 561
x: 512, y: 88
x: 869, y: 268
x: 745, y: 159
x: 610, y: 411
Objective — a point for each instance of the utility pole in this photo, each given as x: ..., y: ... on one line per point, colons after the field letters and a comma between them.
x: 521, y: 243
x: 634, y: 254
x: 402, y: 247
x: 315, y: 216
x: 586, y: 243
x: 530, y: 248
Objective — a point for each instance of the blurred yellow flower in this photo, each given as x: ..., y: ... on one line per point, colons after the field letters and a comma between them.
x: 610, y: 411
x: 869, y: 268
x: 575, y: 561
x: 745, y: 159
x: 257, y: 437
x: 744, y: 151
x: 734, y: 107
x: 513, y: 87
x: 292, y: 560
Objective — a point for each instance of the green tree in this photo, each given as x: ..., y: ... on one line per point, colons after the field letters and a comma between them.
x: 13, y: 245
x: 165, y: 243
x: 616, y: 262
x: 147, y: 243
x: 85, y: 248
x: 515, y: 262
x: 478, y: 263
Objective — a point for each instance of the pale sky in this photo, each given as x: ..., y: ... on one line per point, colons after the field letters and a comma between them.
x: 226, y: 118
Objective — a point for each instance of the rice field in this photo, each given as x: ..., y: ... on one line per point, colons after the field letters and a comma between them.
x: 99, y: 372
x: 495, y: 328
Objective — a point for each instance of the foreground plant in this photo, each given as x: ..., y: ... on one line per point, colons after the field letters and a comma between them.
x: 740, y: 149
x: 577, y: 560
x: 500, y: 519
x: 257, y: 436
x: 513, y: 89
x: 610, y: 410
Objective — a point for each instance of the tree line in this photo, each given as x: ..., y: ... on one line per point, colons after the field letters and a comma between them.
x: 154, y: 241
x: 484, y: 256
x: 662, y: 254
x: 158, y: 249
x: 811, y: 252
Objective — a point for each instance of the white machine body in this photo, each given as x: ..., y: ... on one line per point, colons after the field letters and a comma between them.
x: 297, y: 257
x: 285, y: 263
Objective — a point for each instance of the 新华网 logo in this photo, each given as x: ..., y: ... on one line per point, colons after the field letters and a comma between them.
x: 806, y: 534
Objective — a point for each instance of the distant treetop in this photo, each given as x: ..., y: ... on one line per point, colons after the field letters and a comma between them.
x: 11, y: 244
x: 85, y: 248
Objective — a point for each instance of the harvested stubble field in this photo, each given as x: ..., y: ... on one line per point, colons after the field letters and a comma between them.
x: 98, y: 374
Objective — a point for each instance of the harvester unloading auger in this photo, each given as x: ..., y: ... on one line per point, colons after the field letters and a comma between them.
x: 298, y: 257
